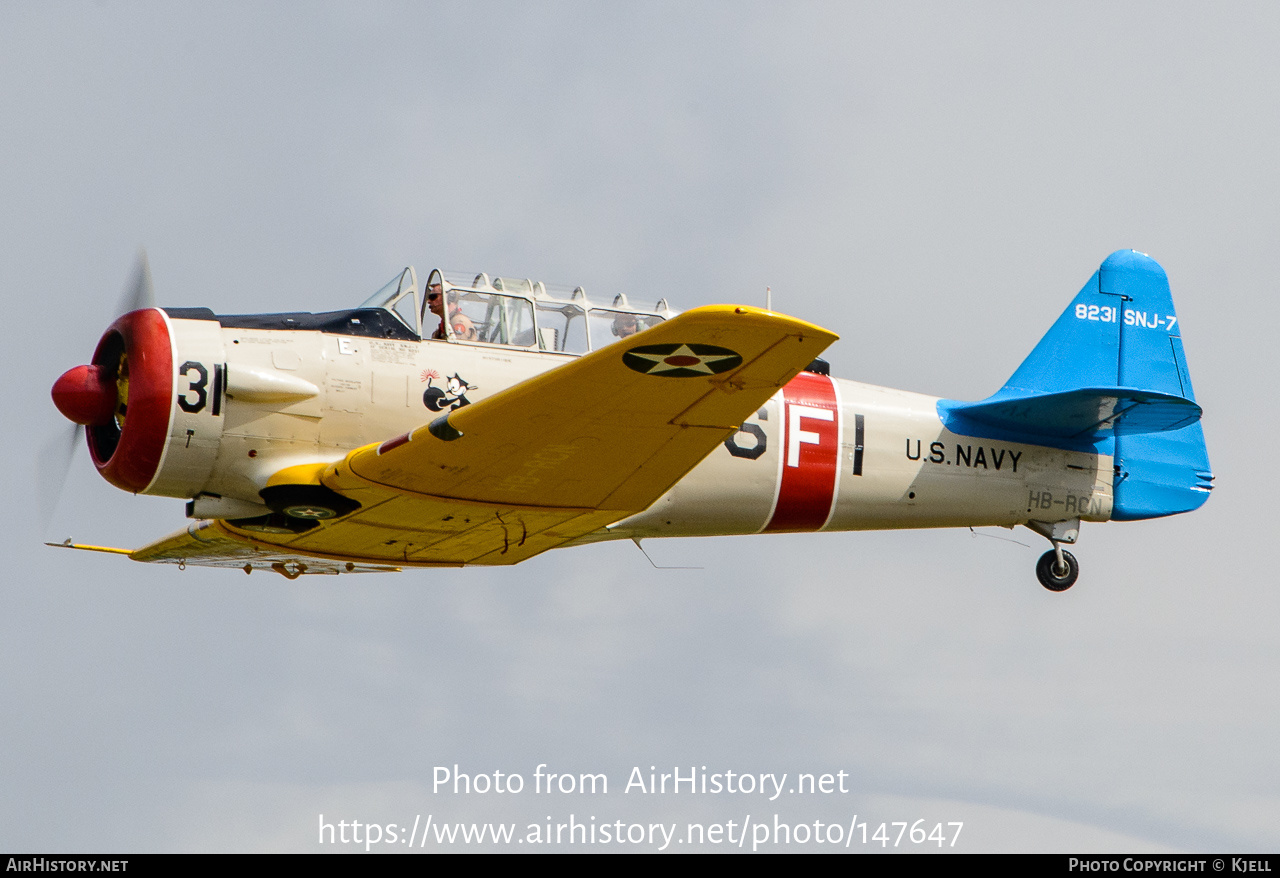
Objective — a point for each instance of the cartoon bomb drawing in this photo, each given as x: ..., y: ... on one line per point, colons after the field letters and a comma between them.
x: 452, y: 396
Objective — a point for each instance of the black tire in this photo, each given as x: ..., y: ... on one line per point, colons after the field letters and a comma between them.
x: 1050, y: 577
x: 307, y: 502
x: 275, y: 523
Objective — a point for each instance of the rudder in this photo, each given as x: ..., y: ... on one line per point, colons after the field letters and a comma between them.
x: 1163, y: 473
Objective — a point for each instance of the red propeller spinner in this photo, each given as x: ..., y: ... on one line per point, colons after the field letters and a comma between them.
x: 86, y: 395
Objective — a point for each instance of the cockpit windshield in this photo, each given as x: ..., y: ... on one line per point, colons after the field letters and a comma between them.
x: 400, y: 296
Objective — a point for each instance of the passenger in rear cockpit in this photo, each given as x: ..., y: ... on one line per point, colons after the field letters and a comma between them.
x: 462, y: 326
x: 625, y: 325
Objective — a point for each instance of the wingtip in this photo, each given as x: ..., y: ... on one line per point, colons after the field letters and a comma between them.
x: 750, y: 312
x: 67, y: 544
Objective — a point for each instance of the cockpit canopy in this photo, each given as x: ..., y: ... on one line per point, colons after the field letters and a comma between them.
x: 468, y: 308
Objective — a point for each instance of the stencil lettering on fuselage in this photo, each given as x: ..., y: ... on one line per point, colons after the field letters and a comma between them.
x: 810, y: 454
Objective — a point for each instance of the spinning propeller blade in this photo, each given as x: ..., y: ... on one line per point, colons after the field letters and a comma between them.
x: 54, y: 460
x: 52, y: 466
x: 139, y: 293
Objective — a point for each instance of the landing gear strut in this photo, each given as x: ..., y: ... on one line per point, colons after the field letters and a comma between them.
x: 1057, y: 569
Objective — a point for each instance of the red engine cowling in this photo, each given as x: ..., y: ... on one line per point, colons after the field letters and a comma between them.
x: 124, y: 399
x: 151, y: 402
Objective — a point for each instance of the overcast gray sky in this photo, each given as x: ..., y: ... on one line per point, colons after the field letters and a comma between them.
x: 932, y: 181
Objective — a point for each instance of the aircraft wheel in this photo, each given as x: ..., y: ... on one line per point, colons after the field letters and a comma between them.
x: 1054, y: 578
x: 310, y: 511
x: 275, y: 523
x: 308, y: 502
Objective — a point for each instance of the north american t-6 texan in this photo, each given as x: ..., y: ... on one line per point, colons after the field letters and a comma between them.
x: 486, y: 420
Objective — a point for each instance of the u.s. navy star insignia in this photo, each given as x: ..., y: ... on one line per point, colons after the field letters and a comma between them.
x: 681, y: 360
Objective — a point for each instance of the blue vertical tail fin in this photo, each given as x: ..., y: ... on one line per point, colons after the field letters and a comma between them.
x: 1111, y: 376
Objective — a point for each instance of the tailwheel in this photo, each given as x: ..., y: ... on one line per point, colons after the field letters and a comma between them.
x: 1057, y: 573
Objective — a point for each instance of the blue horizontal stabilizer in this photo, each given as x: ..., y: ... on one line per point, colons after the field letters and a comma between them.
x: 1085, y: 415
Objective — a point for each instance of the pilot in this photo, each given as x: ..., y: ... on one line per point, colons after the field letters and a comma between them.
x: 435, y: 302
x: 463, y: 328
x: 625, y: 325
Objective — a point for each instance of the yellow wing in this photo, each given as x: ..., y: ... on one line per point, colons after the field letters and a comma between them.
x: 548, y: 460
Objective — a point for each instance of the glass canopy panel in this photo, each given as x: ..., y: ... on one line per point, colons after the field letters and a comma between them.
x: 491, y: 318
x: 385, y: 294
x: 609, y: 325
x: 562, y: 326
x: 406, y: 309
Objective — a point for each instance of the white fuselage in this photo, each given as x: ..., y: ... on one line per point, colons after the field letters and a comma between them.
x: 823, y: 454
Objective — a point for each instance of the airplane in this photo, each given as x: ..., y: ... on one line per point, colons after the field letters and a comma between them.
x: 535, y: 417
